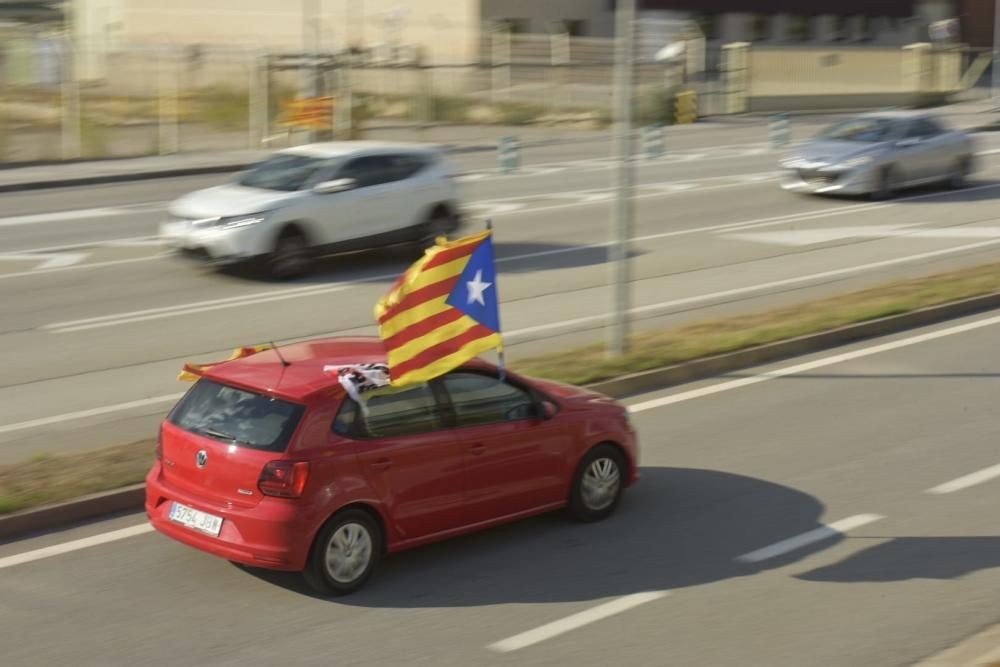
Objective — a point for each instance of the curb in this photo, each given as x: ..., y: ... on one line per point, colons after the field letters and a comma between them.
x: 21, y: 524
x: 700, y: 369
x: 132, y: 498
x: 122, y: 178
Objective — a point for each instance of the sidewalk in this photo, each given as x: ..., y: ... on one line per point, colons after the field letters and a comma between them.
x: 453, y: 138
x: 456, y: 139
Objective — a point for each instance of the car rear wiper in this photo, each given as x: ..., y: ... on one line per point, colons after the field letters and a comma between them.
x: 220, y: 435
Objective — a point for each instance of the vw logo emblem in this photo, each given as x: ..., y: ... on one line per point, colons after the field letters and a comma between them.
x: 201, y: 458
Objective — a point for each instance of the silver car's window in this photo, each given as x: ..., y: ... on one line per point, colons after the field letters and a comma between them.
x: 923, y: 128
x: 868, y: 130
x: 368, y: 171
x: 286, y: 173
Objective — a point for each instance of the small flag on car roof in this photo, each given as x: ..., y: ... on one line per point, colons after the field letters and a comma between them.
x: 443, y: 311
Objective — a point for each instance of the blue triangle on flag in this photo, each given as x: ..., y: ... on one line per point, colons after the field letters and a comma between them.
x: 475, y: 293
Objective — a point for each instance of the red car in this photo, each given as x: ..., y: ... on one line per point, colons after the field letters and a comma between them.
x: 272, y: 465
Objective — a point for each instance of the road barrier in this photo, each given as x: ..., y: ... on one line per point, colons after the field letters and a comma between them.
x: 685, y: 107
x: 653, y: 145
x: 509, y: 154
x: 778, y: 130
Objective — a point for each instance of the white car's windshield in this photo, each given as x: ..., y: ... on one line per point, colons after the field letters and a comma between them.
x: 868, y: 130
x: 282, y: 172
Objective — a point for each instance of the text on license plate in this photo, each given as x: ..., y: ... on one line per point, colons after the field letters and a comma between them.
x: 192, y: 518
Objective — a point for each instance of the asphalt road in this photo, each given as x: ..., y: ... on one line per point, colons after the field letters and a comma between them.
x: 98, y: 320
x: 834, y: 510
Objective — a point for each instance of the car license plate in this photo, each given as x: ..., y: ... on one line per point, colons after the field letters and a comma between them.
x: 192, y: 518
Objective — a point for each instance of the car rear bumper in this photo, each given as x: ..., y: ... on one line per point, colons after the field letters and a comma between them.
x: 269, y: 535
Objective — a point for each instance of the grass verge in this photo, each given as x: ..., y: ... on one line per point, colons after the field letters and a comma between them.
x: 48, y: 478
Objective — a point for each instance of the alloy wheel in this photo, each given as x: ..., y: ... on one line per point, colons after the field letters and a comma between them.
x: 348, y: 553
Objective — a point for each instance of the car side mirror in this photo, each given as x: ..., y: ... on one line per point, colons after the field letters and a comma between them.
x: 334, y: 186
x: 547, y: 410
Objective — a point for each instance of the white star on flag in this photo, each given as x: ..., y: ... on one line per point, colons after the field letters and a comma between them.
x: 476, y: 289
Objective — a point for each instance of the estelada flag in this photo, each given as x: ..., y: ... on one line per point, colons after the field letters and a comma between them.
x: 442, y: 312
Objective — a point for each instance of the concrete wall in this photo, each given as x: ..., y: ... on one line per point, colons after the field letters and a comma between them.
x: 540, y: 13
x: 814, y: 77
x: 449, y: 29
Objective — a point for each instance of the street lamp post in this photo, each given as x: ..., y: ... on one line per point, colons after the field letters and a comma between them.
x: 621, y: 225
x: 995, y: 83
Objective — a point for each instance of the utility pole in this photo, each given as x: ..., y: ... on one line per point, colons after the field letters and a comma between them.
x: 310, y: 47
x: 995, y: 84
x: 621, y: 224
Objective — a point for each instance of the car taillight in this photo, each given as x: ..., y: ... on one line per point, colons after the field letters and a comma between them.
x: 159, y: 444
x: 284, y: 479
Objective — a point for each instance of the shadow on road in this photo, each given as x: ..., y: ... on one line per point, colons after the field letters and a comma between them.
x: 678, y: 527
x: 384, y: 265
x: 906, y: 558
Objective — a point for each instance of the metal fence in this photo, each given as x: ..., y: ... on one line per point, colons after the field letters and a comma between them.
x: 63, y: 102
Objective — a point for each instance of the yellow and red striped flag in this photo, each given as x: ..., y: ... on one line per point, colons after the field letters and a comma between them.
x: 193, y: 372
x: 442, y: 312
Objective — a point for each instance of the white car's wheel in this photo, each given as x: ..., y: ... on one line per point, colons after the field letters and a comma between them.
x: 291, y: 257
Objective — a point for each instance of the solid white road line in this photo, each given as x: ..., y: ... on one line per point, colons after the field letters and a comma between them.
x: 93, y: 412
x: 749, y: 289
x: 61, y: 216
x: 964, y: 482
x: 691, y: 394
x: 564, y: 625
x: 77, y: 267
x: 75, y: 545
x: 810, y: 537
x: 314, y: 290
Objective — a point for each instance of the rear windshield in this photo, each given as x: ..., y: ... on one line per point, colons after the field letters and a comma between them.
x: 237, y: 416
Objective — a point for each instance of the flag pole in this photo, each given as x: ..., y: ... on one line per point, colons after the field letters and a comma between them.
x: 500, y: 355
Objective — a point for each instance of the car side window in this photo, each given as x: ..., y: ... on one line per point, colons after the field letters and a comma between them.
x: 923, y: 129
x: 404, y: 166
x: 367, y: 171
x: 478, y: 398
x: 404, y: 412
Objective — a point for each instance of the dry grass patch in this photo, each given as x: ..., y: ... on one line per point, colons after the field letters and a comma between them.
x: 657, y: 349
x: 50, y: 478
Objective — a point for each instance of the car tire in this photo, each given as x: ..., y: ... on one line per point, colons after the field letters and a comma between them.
x: 441, y: 222
x: 291, y: 257
x: 345, y: 552
x: 959, y: 176
x: 598, y: 484
x: 886, y: 186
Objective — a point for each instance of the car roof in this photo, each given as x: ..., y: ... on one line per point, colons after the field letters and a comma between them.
x: 896, y: 114
x: 330, y: 149
x: 304, y: 376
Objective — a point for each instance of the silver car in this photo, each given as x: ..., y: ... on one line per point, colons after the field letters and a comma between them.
x: 879, y: 154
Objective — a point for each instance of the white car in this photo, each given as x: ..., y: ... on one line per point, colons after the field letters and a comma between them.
x: 318, y: 199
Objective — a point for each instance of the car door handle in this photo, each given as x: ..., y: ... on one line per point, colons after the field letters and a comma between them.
x: 477, y: 448
x: 382, y: 464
